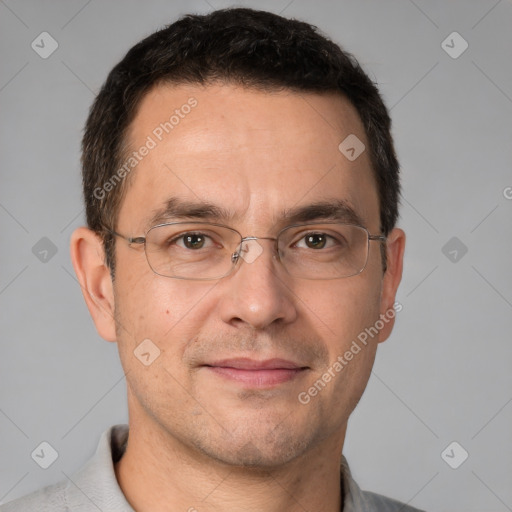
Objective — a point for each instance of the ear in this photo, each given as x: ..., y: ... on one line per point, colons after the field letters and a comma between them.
x: 88, y: 258
x: 395, y: 248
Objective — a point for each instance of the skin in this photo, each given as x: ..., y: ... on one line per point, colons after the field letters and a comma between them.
x: 197, y: 439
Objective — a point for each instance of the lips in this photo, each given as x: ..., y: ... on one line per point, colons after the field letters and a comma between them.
x: 245, y: 363
x: 254, y: 373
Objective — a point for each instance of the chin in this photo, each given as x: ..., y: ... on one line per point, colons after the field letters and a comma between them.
x: 255, y: 448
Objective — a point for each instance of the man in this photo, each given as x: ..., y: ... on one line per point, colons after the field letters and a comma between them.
x: 241, y: 192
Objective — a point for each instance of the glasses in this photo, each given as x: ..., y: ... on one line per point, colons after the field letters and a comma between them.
x: 206, y: 251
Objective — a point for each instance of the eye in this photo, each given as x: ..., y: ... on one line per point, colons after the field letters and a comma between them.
x: 193, y: 241
x: 316, y: 241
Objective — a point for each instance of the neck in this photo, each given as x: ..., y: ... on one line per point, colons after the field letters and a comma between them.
x: 158, y: 473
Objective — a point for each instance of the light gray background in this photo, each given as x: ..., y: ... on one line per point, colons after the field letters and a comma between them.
x: 445, y: 373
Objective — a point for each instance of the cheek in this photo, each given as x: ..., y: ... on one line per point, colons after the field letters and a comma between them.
x: 158, y: 308
x: 163, y: 311
x: 342, y: 309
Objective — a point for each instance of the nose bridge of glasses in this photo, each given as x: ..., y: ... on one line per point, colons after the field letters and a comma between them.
x: 257, y: 238
x: 249, y: 248
x: 248, y: 241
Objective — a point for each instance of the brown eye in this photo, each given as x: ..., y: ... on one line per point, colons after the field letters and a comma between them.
x: 316, y: 241
x: 193, y: 241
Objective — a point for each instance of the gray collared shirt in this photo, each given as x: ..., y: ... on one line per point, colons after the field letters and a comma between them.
x: 94, y: 487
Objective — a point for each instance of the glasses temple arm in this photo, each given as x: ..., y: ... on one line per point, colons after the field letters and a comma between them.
x: 130, y: 240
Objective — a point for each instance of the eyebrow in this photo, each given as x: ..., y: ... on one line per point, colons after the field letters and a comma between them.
x: 337, y: 210
x: 176, y: 209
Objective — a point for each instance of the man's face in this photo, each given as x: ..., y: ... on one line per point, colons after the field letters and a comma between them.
x: 257, y: 155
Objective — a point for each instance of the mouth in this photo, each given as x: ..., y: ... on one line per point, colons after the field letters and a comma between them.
x: 257, y: 374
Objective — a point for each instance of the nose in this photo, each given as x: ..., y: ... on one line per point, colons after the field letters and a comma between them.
x: 257, y: 293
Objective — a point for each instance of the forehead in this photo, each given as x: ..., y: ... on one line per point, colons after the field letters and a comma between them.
x: 255, y: 154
